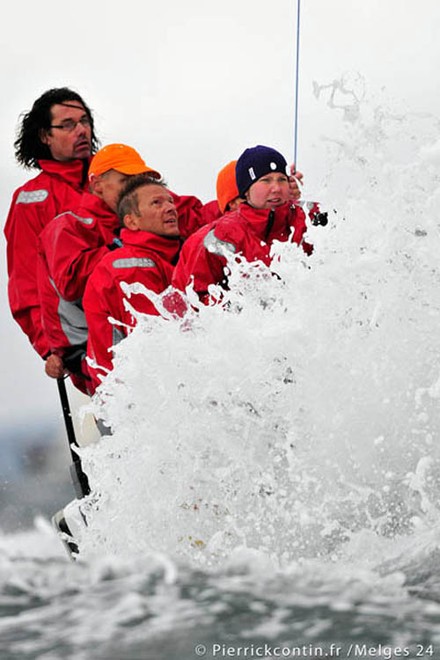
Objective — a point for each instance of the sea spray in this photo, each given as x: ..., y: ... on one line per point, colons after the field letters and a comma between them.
x: 302, y: 413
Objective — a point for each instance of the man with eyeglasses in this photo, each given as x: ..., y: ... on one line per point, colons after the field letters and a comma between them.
x: 56, y: 137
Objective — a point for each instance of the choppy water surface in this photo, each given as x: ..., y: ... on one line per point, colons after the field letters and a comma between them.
x: 271, y: 485
x: 154, y: 608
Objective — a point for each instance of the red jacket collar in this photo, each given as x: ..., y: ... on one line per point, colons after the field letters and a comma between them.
x: 70, y: 171
x: 259, y: 218
x: 166, y: 248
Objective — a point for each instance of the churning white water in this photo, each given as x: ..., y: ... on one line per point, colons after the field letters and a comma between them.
x: 305, y: 409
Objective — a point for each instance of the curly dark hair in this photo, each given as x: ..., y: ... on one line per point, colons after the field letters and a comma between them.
x: 28, y: 147
x: 128, y: 200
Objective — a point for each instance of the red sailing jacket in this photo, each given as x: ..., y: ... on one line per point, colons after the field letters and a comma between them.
x: 191, y: 212
x: 211, y: 211
x: 57, y: 187
x: 70, y: 246
x: 145, y: 258
x: 75, y: 242
x: 246, y: 231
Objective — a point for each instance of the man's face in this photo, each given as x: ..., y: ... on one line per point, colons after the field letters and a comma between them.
x: 71, y: 134
x: 158, y: 213
x: 269, y: 191
x: 109, y: 186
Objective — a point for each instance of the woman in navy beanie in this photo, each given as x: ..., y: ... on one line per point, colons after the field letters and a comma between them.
x: 267, y: 213
x: 258, y: 162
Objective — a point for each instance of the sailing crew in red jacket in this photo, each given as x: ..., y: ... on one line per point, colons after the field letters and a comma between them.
x: 150, y: 249
x: 63, y: 319
x: 56, y: 137
x: 267, y: 214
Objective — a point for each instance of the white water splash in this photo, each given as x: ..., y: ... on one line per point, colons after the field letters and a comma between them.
x: 303, y: 414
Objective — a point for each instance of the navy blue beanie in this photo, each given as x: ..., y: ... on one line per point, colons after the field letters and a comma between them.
x: 255, y: 163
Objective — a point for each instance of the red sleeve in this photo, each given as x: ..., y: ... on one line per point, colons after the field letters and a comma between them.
x: 190, y: 213
x: 198, y: 264
x: 211, y: 212
x: 22, y: 228
x: 72, y: 248
x: 63, y: 322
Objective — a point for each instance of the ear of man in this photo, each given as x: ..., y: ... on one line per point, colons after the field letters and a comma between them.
x: 131, y: 221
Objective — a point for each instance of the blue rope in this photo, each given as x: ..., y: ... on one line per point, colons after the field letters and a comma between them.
x: 295, y: 138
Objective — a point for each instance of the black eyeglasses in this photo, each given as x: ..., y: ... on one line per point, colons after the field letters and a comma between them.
x: 69, y: 125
